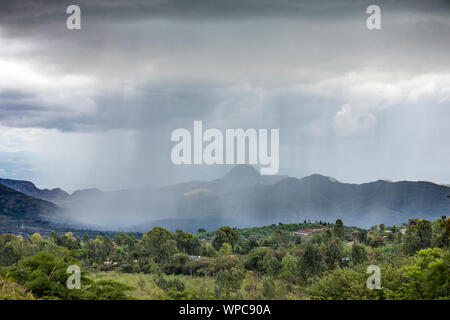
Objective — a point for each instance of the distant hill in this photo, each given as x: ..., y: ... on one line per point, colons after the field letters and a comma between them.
x: 19, y: 205
x: 243, y: 198
x: 20, y: 213
x: 54, y: 195
x: 23, y: 214
x: 238, y: 177
x: 318, y: 197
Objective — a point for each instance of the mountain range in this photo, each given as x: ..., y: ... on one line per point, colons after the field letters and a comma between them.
x: 55, y: 195
x: 241, y: 198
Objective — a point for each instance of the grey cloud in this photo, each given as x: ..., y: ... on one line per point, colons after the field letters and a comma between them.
x: 174, y: 104
x: 199, y: 67
x: 159, y: 65
x: 206, y: 9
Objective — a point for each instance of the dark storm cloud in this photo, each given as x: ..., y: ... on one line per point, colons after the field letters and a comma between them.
x: 115, y: 89
x: 26, y: 13
x: 196, y: 67
x: 29, y: 12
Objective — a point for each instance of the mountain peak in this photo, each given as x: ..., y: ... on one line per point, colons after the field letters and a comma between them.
x: 84, y: 192
x: 241, y: 175
x: 319, y: 178
x: 243, y: 171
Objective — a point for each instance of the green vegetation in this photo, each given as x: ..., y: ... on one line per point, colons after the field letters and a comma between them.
x: 265, y: 231
x: 285, y: 261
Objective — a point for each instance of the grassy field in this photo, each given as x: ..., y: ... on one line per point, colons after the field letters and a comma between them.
x: 145, y: 287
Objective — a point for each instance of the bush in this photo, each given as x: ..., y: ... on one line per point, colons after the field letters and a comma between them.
x: 150, y: 266
x: 162, y: 282
x: 45, y: 276
x: 127, y: 267
x: 176, y: 284
x: 179, y: 264
x: 228, y: 283
x: 172, y: 284
x: 427, y: 277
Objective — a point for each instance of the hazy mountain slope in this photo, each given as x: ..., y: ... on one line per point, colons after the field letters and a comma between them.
x: 244, y: 198
x: 238, y: 177
x: 241, y: 198
x: 20, y: 213
x: 19, y: 205
x: 54, y: 195
x: 319, y: 197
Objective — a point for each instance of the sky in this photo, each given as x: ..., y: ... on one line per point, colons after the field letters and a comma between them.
x: 96, y: 107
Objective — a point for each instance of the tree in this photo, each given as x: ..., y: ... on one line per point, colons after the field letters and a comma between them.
x: 339, y: 229
x: 208, y: 251
x: 250, y: 244
x: 150, y: 266
x: 326, y: 236
x: 54, y: 237
x: 85, y: 238
x: 359, y: 253
x: 10, y: 249
x: 281, y: 238
x: 424, y: 230
x: 362, y: 236
x: 36, y: 238
x: 428, y: 277
x: 342, y: 284
x: 441, y: 233
x: 160, y: 244
x: 71, y: 242
x: 228, y: 283
x: 225, y: 234
x: 254, y: 259
x: 418, y: 236
x: 270, y: 264
x: 225, y: 250
x: 333, y: 252
x: 178, y: 264
x: 289, y: 268
x: 188, y: 243
x: 13, y: 291
x: 412, y: 240
x: 269, y: 288
x: 125, y: 240
x: 311, y: 262
x: 377, y: 242
x: 45, y: 276
x: 251, y: 285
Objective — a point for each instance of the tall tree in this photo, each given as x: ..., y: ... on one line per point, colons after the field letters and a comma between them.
x: 160, y: 244
x: 289, y: 268
x: 225, y: 235
x: 228, y: 283
x: 311, y: 262
x: 359, y: 253
x: 188, y: 243
x: 339, y: 229
x: 334, y: 252
x: 281, y: 238
x: 424, y: 230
